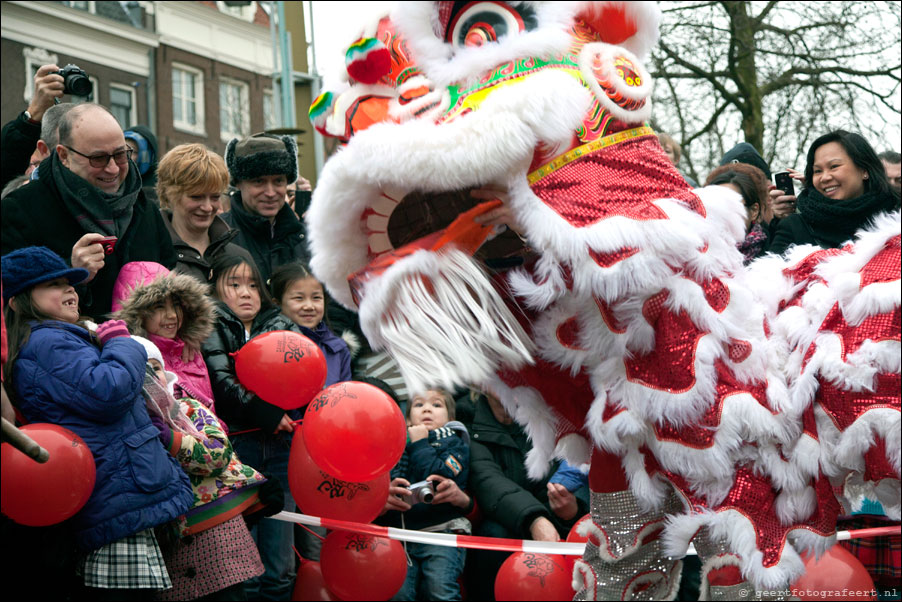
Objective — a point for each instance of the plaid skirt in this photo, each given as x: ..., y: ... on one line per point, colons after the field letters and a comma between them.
x: 211, y: 560
x: 133, y: 562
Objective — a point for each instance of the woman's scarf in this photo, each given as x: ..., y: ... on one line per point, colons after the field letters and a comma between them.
x: 834, y: 222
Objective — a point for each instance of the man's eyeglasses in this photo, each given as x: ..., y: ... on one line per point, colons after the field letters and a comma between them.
x: 120, y: 157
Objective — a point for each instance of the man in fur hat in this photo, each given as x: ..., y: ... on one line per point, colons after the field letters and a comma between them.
x: 260, y: 168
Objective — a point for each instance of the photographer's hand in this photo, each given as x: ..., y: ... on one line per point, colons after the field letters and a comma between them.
x: 783, y: 204
x: 396, y: 489
x: 447, y: 491
x: 88, y: 254
x: 48, y: 85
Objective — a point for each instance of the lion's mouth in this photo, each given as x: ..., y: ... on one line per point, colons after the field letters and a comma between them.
x: 420, y: 214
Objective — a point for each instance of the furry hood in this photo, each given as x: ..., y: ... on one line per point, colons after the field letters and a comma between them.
x: 186, y: 292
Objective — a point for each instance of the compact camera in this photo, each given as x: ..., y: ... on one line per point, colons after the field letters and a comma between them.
x: 75, y: 81
x: 109, y: 244
x: 422, y: 492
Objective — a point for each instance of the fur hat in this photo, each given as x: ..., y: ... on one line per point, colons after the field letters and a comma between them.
x: 262, y: 155
x: 186, y: 292
x: 26, y: 267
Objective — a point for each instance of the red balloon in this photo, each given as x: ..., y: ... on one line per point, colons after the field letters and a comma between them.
x: 282, y: 367
x: 838, y: 575
x: 362, y: 567
x: 574, y: 537
x: 354, y: 431
x: 532, y: 576
x: 38, y: 495
x: 310, y: 585
x: 320, y: 494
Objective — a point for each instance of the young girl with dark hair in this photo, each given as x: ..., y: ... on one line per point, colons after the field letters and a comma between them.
x: 91, y: 384
x: 260, y: 432
x: 301, y: 298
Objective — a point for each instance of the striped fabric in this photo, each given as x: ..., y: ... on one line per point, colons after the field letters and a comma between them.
x: 379, y: 364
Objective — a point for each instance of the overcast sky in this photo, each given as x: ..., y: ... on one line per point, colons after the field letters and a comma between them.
x: 335, y: 26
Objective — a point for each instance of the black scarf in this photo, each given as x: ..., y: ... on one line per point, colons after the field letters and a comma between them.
x: 834, y: 222
x: 94, y: 209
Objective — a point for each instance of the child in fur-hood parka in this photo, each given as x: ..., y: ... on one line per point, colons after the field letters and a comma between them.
x: 174, y: 312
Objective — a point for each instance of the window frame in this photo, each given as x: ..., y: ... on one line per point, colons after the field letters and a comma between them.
x: 245, y: 90
x: 133, y: 108
x: 199, y: 128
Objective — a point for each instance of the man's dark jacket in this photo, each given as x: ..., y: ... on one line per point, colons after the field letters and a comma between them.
x: 270, y: 244
x: 499, y: 481
x: 17, y: 142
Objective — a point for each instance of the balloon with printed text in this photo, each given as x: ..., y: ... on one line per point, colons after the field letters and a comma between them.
x: 363, y: 567
x: 533, y: 576
x: 354, y: 431
x: 38, y: 495
x: 320, y: 494
x: 281, y: 367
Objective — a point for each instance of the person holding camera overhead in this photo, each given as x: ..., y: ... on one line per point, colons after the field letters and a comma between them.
x: 427, y: 494
x: 88, y: 207
x: 20, y: 136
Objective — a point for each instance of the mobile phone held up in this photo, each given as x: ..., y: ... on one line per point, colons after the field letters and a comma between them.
x: 783, y: 181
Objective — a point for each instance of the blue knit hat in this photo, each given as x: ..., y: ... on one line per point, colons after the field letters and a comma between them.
x: 24, y: 268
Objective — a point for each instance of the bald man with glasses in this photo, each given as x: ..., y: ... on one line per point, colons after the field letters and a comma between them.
x: 88, y: 206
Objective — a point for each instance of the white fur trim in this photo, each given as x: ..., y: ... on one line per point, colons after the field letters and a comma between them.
x: 606, y: 54
x: 442, y: 321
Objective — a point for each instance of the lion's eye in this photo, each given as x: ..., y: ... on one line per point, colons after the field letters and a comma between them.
x: 479, y: 23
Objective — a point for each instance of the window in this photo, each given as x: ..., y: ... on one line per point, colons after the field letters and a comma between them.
x: 34, y: 59
x: 188, y: 99
x: 242, y: 10
x: 86, y: 6
x: 122, y: 105
x: 234, y: 109
x: 270, y: 118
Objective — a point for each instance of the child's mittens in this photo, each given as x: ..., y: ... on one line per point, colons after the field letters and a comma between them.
x: 112, y: 329
x: 165, y: 431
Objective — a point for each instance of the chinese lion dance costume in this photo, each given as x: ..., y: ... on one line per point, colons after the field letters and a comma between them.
x: 737, y: 408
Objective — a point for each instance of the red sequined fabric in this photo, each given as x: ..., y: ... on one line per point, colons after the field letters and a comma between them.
x: 671, y: 365
x: 620, y: 180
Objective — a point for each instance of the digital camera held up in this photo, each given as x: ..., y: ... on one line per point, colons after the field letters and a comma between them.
x: 75, y: 81
x: 422, y: 492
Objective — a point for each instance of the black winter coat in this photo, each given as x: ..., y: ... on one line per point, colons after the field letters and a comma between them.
x: 36, y: 215
x: 270, y: 244
x: 238, y: 407
x: 17, y: 142
x: 191, y: 262
x: 498, y: 478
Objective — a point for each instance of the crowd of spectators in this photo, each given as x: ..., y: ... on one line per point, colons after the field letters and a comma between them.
x: 181, y: 259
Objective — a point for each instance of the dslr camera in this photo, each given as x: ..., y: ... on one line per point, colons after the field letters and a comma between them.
x: 422, y: 492
x: 75, y: 81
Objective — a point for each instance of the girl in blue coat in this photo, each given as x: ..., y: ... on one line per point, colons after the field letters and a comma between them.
x: 90, y: 383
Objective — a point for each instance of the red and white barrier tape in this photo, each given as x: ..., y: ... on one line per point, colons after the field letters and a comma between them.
x: 496, y: 543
